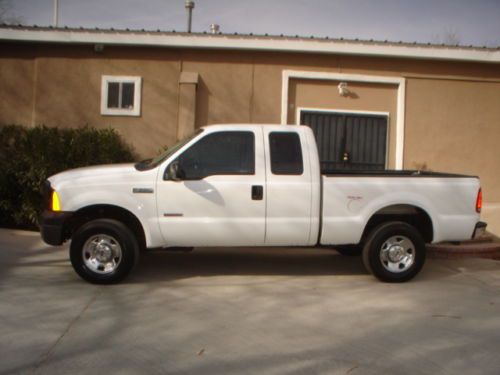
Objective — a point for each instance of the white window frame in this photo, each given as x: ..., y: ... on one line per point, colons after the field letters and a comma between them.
x: 287, y: 75
x: 352, y: 112
x: 136, y: 111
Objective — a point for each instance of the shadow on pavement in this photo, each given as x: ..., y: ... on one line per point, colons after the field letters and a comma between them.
x: 164, y: 265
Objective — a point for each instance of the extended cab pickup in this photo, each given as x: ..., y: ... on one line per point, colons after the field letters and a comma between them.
x: 254, y: 185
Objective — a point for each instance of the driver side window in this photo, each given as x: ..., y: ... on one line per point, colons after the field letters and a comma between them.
x: 221, y: 153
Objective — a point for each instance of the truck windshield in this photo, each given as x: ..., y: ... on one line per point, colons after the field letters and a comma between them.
x: 153, y: 163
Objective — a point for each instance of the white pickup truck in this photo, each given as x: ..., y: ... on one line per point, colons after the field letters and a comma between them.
x: 254, y: 185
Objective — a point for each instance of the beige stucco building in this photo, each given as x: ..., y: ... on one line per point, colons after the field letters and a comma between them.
x: 389, y: 105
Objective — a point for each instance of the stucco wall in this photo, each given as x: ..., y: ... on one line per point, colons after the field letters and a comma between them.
x: 68, y: 91
x: 224, y: 88
x: 16, y: 90
x: 452, y: 108
x: 62, y: 87
x: 455, y: 126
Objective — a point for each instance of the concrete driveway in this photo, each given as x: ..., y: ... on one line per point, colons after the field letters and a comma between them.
x: 244, y: 311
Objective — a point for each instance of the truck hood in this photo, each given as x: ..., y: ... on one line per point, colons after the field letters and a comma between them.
x: 102, y: 174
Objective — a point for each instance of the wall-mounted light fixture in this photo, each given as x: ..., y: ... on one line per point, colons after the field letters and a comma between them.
x: 343, y: 90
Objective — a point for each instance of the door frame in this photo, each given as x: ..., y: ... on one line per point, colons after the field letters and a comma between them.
x: 353, y: 112
x: 400, y: 82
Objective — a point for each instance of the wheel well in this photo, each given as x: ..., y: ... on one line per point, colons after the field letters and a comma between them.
x: 86, y: 214
x: 412, y: 215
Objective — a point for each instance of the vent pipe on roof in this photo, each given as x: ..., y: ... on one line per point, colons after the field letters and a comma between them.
x: 56, y: 14
x: 189, y: 4
x: 214, y: 28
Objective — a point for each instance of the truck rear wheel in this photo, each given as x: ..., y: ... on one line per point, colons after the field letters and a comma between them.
x: 104, y: 251
x: 394, y: 252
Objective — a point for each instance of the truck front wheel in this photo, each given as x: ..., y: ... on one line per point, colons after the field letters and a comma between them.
x: 394, y: 252
x: 103, y: 251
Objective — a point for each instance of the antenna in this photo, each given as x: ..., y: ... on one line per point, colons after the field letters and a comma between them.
x: 189, y: 4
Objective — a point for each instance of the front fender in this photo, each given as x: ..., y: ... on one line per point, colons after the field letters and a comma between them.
x: 143, y: 206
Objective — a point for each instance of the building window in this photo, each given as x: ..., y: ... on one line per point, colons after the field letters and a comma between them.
x: 121, y: 96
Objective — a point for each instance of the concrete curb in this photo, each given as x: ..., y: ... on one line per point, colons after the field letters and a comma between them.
x: 472, y: 249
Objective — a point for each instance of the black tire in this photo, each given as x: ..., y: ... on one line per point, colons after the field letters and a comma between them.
x: 104, y: 251
x: 394, y: 252
x: 349, y: 250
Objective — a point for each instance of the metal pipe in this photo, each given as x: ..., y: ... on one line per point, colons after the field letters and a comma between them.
x: 56, y: 13
x: 189, y: 4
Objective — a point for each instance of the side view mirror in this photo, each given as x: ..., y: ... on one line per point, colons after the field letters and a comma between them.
x: 174, y: 171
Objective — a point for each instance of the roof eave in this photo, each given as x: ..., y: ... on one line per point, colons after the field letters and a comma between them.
x: 232, y: 42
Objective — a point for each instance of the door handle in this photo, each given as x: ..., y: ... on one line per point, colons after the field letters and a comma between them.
x: 257, y: 192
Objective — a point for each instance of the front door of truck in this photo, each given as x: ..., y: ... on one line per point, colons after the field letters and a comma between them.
x: 219, y: 198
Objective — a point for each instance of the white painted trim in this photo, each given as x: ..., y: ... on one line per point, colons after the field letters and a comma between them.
x: 401, y: 98
x: 348, y: 111
x: 354, y: 112
x: 285, y: 78
x: 400, y: 124
x: 491, y: 206
x: 248, y: 42
x: 136, y: 111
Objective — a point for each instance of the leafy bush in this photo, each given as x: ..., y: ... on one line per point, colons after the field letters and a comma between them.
x: 29, y: 155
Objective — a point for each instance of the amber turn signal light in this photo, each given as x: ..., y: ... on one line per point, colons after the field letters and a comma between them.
x: 56, y: 205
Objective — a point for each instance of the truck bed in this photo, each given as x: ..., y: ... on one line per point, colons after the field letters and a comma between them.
x: 389, y: 173
x: 350, y: 199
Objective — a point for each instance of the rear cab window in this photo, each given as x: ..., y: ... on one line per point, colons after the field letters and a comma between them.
x: 286, y: 153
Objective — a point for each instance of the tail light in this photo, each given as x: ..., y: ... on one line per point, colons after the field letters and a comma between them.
x: 479, y: 201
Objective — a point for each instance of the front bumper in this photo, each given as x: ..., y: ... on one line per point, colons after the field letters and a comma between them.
x: 479, y: 230
x: 54, y: 226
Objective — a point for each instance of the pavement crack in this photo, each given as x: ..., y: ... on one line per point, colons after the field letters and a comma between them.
x: 46, y: 356
x: 446, y: 316
x: 352, y: 369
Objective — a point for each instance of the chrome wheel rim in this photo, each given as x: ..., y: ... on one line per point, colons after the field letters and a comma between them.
x: 102, y: 254
x: 397, y: 254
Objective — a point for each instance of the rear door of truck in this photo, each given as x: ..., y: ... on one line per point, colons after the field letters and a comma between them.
x: 291, y: 211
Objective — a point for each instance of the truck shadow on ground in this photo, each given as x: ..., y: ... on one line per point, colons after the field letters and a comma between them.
x: 165, y: 265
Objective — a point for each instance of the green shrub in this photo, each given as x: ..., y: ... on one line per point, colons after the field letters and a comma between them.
x: 29, y: 155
